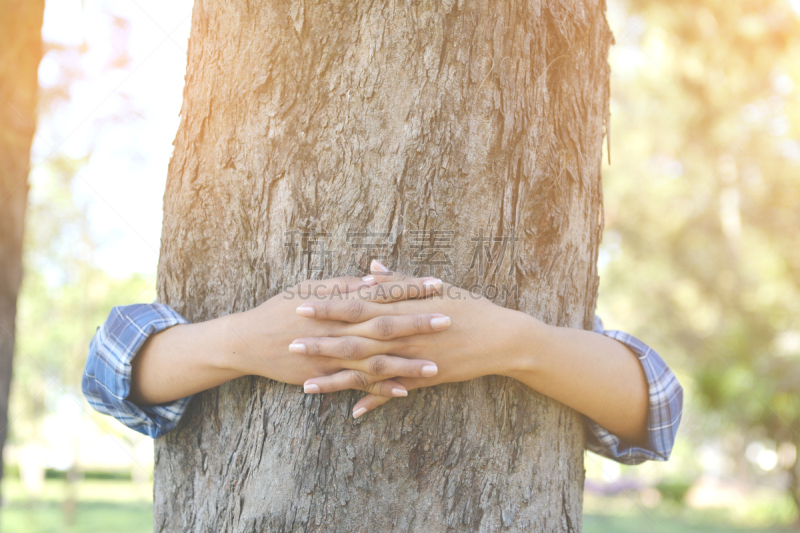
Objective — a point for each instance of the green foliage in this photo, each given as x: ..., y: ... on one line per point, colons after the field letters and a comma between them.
x: 674, y: 491
x: 64, y: 298
x: 701, y: 255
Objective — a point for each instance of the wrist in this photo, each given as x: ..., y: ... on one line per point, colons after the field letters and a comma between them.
x: 530, y: 344
x: 233, y: 353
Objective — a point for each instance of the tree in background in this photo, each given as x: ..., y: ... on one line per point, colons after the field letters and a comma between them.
x: 702, y: 218
x: 427, y: 124
x: 20, y: 53
x: 63, y: 288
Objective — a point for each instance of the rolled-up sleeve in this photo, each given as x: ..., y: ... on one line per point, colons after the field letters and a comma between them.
x: 106, y: 380
x: 664, y: 415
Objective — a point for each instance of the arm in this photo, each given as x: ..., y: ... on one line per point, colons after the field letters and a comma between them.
x: 664, y: 412
x: 591, y: 373
x: 146, y: 361
x: 191, y: 358
x: 630, y: 398
x: 107, y: 376
x: 622, y: 392
x: 184, y: 360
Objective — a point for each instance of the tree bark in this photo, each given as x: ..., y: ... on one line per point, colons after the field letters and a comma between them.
x: 436, y: 126
x: 20, y: 53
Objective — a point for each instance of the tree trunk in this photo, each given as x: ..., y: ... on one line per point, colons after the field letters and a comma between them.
x: 20, y: 53
x: 443, y: 129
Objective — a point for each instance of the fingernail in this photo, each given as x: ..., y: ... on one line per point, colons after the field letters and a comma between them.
x: 360, y: 411
x: 377, y: 266
x: 369, y: 279
x: 440, y: 322
x: 399, y: 392
x: 429, y: 370
x: 305, y: 310
x: 297, y: 347
x: 311, y: 388
x: 432, y: 284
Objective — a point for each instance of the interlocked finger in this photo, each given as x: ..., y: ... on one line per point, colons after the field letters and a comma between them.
x: 355, y: 379
x: 374, y: 400
x: 373, y: 375
x: 368, y: 403
x: 394, y: 326
x: 355, y: 310
x: 396, y: 290
x: 346, y: 347
x: 333, y: 286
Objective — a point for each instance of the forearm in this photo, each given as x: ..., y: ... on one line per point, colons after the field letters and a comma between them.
x: 589, y: 372
x: 184, y: 360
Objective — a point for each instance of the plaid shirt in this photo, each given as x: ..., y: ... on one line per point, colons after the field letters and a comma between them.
x: 664, y: 415
x: 107, y: 384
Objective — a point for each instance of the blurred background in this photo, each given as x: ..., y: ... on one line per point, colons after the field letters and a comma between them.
x: 700, y: 257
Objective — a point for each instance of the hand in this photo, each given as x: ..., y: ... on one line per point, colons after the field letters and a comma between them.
x: 268, y: 332
x: 482, y: 339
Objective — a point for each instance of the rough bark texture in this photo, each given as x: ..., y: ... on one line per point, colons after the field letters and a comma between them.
x: 20, y: 52
x: 394, y: 117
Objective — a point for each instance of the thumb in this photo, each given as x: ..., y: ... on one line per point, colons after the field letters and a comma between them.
x: 381, y: 273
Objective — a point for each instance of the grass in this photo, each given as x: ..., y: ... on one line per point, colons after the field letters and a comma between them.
x: 116, y: 506
x: 89, y: 517
x: 137, y: 517
x: 101, y: 506
x: 658, y: 524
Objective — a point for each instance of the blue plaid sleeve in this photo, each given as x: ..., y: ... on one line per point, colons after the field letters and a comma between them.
x: 666, y: 406
x: 107, y: 378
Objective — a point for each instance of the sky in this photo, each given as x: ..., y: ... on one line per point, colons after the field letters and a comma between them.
x: 123, y: 109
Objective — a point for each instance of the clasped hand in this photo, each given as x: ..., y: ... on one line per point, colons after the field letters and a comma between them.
x: 386, y: 334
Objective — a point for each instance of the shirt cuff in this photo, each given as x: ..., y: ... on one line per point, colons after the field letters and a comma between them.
x: 107, y: 378
x: 664, y: 413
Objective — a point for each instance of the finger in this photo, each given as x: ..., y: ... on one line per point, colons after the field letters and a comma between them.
x: 381, y: 273
x: 368, y: 403
x: 354, y: 379
x: 378, y: 268
x: 395, y: 290
x: 346, y: 347
x: 356, y: 310
x: 353, y: 310
x: 382, y: 293
x: 393, y: 326
x: 373, y: 401
x: 333, y: 286
x: 383, y: 366
x: 372, y: 370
